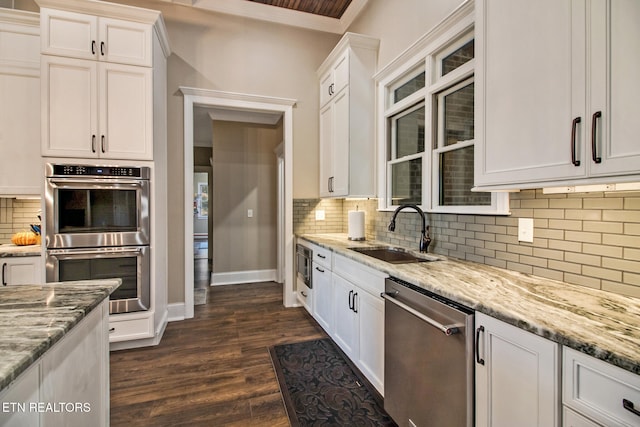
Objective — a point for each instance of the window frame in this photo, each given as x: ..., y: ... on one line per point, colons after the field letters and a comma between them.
x: 400, y: 71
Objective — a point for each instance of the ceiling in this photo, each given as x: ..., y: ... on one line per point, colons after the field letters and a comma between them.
x: 329, y: 8
x: 331, y: 16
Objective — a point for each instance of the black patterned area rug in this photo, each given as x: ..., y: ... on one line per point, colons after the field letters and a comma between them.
x: 320, y: 388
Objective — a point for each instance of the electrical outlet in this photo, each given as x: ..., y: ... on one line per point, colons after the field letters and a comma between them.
x: 525, y: 230
x: 249, y: 213
x: 319, y: 215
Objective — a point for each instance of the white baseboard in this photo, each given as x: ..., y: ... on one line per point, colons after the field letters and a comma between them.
x: 176, y: 311
x: 237, y: 277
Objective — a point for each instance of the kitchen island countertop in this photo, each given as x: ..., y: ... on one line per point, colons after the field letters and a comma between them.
x: 601, y: 324
x: 34, y: 317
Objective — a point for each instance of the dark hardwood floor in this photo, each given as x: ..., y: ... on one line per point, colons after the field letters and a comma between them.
x: 214, y: 369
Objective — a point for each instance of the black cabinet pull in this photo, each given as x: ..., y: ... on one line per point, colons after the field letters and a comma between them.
x: 303, y: 294
x: 594, y: 128
x: 102, y: 144
x: 93, y: 143
x: 320, y: 270
x: 478, y: 359
x: 355, y: 307
x: 574, y: 125
x: 93, y: 47
x: 4, y: 267
x: 321, y: 256
x: 102, y: 48
x: 350, y: 301
x: 628, y: 405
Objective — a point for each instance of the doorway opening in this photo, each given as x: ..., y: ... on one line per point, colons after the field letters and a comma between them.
x: 249, y: 104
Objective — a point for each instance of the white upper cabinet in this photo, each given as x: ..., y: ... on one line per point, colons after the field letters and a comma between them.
x: 98, y: 71
x: 554, y: 92
x: 347, y: 150
x: 22, y: 174
x: 83, y: 36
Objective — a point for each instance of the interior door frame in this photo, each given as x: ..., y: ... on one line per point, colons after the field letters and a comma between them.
x: 237, y: 102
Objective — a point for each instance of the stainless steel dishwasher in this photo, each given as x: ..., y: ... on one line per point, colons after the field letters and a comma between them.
x: 428, y: 366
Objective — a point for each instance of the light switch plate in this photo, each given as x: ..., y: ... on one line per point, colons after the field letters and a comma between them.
x: 319, y: 215
x: 249, y: 213
x: 525, y: 230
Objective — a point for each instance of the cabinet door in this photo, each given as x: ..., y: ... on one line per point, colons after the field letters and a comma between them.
x: 76, y: 369
x: 69, y: 105
x: 25, y: 390
x: 346, y: 321
x: 371, y: 334
x: 21, y: 271
x: 323, y: 297
x: 340, y: 144
x: 518, y: 382
x: 326, y: 88
x: 326, y: 156
x: 341, y: 73
x: 69, y: 34
x: 573, y: 419
x: 615, y: 88
x: 530, y: 86
x: 20, y: 135
x: 125, y: 42
x: 126, y: 112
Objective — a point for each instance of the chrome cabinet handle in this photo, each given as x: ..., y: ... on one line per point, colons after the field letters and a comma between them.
x: 574, y: 125
x: 320, y: 270
x: 594, y: 128
x: 628, y: 405
x: 4, y: 268
x: 445, y: 329
x: 479, y: 361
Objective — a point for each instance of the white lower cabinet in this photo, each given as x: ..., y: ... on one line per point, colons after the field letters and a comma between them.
x: 573, y: 419
x: 517, y: 376
x: 305, y: 296
x: 601, y: 393
x: 23, y: 270
x: 359, y: 317
x: 73, y: 374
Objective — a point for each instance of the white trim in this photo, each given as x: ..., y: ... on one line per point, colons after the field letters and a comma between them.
x: 239, y: 101
x: 176, y: 311
x: 238, y: 277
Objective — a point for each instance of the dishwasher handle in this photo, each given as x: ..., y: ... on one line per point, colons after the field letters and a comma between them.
x: 445, y: 329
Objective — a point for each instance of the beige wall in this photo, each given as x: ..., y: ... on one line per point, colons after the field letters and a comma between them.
x: 244, y: 177
x: 398, y: 24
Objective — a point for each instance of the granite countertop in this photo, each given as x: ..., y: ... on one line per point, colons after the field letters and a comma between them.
x: 34, y: 317
x: 597, y: 323
x: 10, y: 250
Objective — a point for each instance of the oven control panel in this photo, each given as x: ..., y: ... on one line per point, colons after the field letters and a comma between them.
x: 101, y: 171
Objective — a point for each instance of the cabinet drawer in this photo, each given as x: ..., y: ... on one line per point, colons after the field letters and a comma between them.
x: 304, y: 295
x: 573, y: 419
x: 596, y: 389
x: 365, y: 277
x: 131, y: 329
x: 322, y: 256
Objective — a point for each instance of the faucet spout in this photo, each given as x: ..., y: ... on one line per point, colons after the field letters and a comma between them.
x: 425, y: 239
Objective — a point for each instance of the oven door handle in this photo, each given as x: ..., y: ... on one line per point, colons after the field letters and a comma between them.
x: 73, y: 252
x: 108, y: 182
x: 445, y: 329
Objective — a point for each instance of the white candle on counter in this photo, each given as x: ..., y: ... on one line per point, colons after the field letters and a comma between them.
x: 356, y: 225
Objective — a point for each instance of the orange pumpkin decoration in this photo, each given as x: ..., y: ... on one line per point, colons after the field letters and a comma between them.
x: 24, y: 238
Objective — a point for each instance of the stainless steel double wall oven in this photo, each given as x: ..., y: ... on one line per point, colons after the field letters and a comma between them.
x: 97, y: 226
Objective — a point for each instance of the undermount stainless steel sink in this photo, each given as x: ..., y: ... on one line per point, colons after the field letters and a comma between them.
x: 393, y: 255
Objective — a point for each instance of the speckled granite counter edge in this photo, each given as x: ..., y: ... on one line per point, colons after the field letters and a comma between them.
x: 11, y: 366
x: 8, y: 251
x: 572, y: 335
